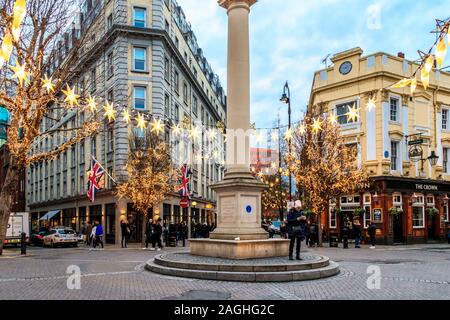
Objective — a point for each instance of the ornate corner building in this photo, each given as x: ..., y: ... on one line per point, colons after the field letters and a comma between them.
x: 142, y: 54
x: 403, y: 142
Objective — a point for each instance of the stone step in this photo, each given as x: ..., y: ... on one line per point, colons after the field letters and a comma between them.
x: 285, y: 276
x: 278, y: 265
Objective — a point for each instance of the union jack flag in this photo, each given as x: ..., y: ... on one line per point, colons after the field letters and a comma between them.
x: 184, y: 178
x: 95, y: 174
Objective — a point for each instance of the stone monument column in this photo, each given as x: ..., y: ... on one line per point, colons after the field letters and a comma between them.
x: 239, y: 195
x: 238, y: 234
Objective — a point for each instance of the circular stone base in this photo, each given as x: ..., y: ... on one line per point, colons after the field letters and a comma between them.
x: 252, y: 270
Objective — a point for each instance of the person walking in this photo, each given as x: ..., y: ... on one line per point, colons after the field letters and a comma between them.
x: 125, y: 230
x: 92, y: 236
x: 183, y: 232
x: 357, y: 233
x: 271, y: 230
x: 157, y: 233
x: 372, y: 231
x: 148, y: 232
x: 98, y: 235
x: 88, y: 233
x: 345, y: 233
x: 296, y: 228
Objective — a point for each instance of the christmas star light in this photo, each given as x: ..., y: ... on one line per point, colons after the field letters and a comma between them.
x: 302, y: 129
x: 199, y: 157
x: 47, y: 84
x: 429, y: 63
x: 141, y: 124
x: 176, y: 129
x: 211, y: 134
x: 413, y: 85
x: 215, y: 154
x: 273, y: 165
x: 126, y: 116
x: 6, y: 49
x: 274, y: 136
x: 71, y: 97
x: 91, y: 104
x: 333, y: 118
x: 317, y: 125
x: 402, y: 83
x: 19, y: 11
x: 20, y: 73
x: 441, y: 52
x: 194, y: 133
x: 110, y: 113
x: 353, y: 113
x: 260, y: 137
x: 288, y: 135
x: 157, y: 126
x: 260, y: 174
x: 371, y: 104
x: 425, y: 77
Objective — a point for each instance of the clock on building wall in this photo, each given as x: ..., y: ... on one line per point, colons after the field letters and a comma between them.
x: 345, y: 67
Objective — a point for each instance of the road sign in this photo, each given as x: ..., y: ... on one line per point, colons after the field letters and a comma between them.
x: 184, y: 203
x: 415, y: 142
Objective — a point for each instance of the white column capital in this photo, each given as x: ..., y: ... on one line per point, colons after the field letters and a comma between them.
x: 232, y: 4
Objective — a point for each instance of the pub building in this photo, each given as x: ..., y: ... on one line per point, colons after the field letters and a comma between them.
x: 417, y: 221
x: 402, y: 139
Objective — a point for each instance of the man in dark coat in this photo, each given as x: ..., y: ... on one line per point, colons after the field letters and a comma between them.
x: 125, y: 230
x: 148, y: 232
x: 296, y: 228
x: 157, y: 233
x: 88, y: 233
x: 372, y: 232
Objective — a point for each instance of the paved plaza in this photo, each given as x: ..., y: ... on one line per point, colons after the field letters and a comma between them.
x: 405, y: 272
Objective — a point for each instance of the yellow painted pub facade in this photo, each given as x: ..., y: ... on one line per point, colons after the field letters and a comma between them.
x: 403, y: 142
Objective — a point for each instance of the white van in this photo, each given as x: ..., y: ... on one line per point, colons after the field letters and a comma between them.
x: 18, y: 223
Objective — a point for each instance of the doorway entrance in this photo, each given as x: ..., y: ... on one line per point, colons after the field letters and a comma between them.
x: 431, y: 226
x: 398, y: 228
x: 136, y: 221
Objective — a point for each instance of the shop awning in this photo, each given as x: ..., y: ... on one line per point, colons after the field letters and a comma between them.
x: 49, y: 215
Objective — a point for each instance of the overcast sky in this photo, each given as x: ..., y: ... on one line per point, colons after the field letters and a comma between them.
x: 289, y: 39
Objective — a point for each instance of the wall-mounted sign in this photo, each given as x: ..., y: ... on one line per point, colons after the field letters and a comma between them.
x: 386, y: 154
x: 427, y: 187
x: 377, y: 215
x: 248, y: 209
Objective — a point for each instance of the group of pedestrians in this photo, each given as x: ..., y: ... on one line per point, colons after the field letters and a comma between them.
x: 92, y: 234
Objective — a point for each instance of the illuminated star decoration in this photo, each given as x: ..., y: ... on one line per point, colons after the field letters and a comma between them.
x: 194, y: 133
x: 110, y: 113
x: 333, y: 118
x: 211, y: 134
x: 47, y: 84
x: 6, y: 49
x: 141, y: 122
x: 413, y: 85
x: 441, y: 52
x: 260, y: 137
x: 157, y: 126
x: 126, y: 116
x: 176, y: 129
x: 302, y: 129
x: 274, y: 136
x: 71, y: 97
x: 317, y: 125
x: 371, y: 104
x: 199, y: 157
x: 19, y: 11
x: 20, y: 73
x: 352, y: 113
x: 288, y: 135
x: 92, y: 104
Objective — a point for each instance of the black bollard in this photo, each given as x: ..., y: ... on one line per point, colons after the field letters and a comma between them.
x: 23, y: 244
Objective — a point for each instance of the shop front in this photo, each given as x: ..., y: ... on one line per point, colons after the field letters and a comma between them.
x: 404, y: 210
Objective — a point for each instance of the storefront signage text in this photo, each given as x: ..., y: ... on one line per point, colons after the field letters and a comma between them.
x: 428, y: 187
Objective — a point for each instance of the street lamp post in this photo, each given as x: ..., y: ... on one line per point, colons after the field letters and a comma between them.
x: 286, y: 98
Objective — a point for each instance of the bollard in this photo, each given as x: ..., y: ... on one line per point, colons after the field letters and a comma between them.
x: 23, y: 244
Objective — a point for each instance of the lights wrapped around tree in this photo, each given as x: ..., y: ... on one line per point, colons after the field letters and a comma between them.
x: 324, y: 166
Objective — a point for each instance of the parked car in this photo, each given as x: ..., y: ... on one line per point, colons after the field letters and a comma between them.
x: 37, y: 238
x: 60, y: 237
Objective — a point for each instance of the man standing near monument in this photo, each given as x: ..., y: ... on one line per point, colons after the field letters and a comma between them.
x: 296, y: 228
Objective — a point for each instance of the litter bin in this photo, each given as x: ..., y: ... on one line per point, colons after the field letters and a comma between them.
x: 334, y: 241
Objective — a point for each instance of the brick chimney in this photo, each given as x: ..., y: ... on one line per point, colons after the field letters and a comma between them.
x: 401, y: 55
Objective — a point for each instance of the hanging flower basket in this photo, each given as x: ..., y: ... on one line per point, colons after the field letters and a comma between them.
x: 394, y: 211
x: 358, y: 212
x: 431, y: 211
x: 337, y: 211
